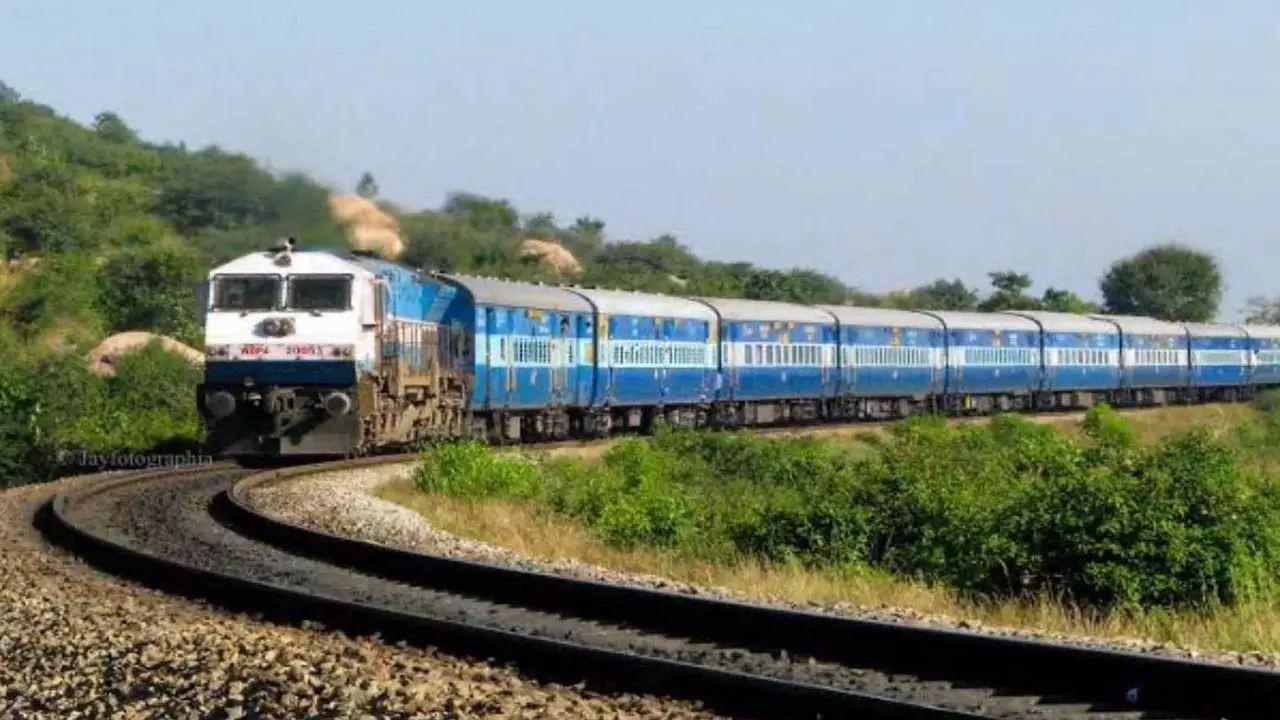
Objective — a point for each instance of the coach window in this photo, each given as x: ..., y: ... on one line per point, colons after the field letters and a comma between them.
x: 320, y: 292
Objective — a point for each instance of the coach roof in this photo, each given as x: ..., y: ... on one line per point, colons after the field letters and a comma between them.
x: 510, y: 293
x: 1142, y: 325
x: 1262, y: 332
x: 956, y: 320
x: 1214, y: 330
x: 735, y: 310
x: 619, y: 302
x: 881, y: 317
x: 1055, y: 322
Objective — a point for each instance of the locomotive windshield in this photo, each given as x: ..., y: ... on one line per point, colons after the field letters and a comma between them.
x: 319, y: 292
x: 246, y: 292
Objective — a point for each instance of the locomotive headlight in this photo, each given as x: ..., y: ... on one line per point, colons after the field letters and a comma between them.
x: 220, y: 404
x: 271, y: 326
x: 286, y: 326
x: 337, y: 403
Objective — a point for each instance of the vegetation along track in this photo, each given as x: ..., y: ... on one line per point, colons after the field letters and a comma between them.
x: 191, y: 532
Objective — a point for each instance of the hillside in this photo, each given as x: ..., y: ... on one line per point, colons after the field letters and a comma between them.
x: 103, y: 232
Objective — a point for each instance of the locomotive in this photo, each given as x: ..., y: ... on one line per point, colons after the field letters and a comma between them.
x: 338, y: 353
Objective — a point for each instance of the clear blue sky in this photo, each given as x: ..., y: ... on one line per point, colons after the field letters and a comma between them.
x: 888, y: 143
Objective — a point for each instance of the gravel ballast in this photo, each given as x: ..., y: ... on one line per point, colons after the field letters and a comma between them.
x: 170, y: 519
x: 343, y: 503
x: 76, y: 643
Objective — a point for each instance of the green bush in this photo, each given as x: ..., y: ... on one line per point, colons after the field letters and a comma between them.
x: 51, y: 407
x: 1006, y: 509
x: 1018, y: 507
x: 1108, y: 427
x: 472, y: 470
x: 1182, y: 523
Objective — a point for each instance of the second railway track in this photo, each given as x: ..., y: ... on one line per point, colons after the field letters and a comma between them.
x: 191, y: 532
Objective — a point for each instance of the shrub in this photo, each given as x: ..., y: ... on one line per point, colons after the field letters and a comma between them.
x: 1015, y: 508
x: 1010, y: 508
x: 51, y: 405
x: 471, y: 470
x: 1108, y: 427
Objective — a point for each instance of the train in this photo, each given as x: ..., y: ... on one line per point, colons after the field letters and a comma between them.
x: 341, y: 353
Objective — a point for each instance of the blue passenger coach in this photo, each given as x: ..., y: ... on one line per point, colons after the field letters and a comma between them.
x: 888, y: 353
x: 992, y: 355
x: 1153, y: 355
x: 526, y: 343
x: 1264, y: 351
x: 649, y: 349
x: 773, y: 350
x: 1219, y: 356
x: 1079, y: 353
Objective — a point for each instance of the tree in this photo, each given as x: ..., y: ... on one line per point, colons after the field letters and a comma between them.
x: 150, y: 288
x: 213, y: 188
x: 8, y: 95
x: 1168, y: 282
x: 585, y: 238
x: 367, y: 187
x: 940, y: 294
x: 111, y: 128
x: 1065, y: 301
x: 1010, y: 293
x: 540, y: 225
x: 1262, y: 311
x: 484, y: 213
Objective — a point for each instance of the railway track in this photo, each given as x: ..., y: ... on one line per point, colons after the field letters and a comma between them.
x: 191, y: 532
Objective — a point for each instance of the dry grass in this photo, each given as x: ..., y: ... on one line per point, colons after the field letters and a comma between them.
x: 538, y: 533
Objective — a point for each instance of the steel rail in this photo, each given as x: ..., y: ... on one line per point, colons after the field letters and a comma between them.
x: 1116, y: 679
x: 726, y: 691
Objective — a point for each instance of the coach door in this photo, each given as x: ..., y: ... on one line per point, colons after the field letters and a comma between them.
x: 559, y: 360
x: 821, y: 355
x: 662, y: 332
x: 498, y: 369
x: 605, y: 347
x: 584, y: 356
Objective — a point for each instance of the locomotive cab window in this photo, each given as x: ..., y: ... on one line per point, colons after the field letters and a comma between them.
x: 246, y: 292
x: 320, y: 292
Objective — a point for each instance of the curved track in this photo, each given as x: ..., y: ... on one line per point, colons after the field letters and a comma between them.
x: 191, y: 532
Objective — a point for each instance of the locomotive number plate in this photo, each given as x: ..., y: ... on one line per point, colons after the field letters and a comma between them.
x: 310, y: 350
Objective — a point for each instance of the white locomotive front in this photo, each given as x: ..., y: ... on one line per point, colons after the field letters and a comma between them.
x: 286, y: 336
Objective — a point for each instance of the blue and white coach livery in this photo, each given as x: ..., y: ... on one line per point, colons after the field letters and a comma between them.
x: 1155, y: 362
x: 1219, y: 359
x: 993, y: 361
x: 655, y: 355
x: 1264, y: 354
x: 776, y: 360
x: 890, y: 361
x: 1081, y: 357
